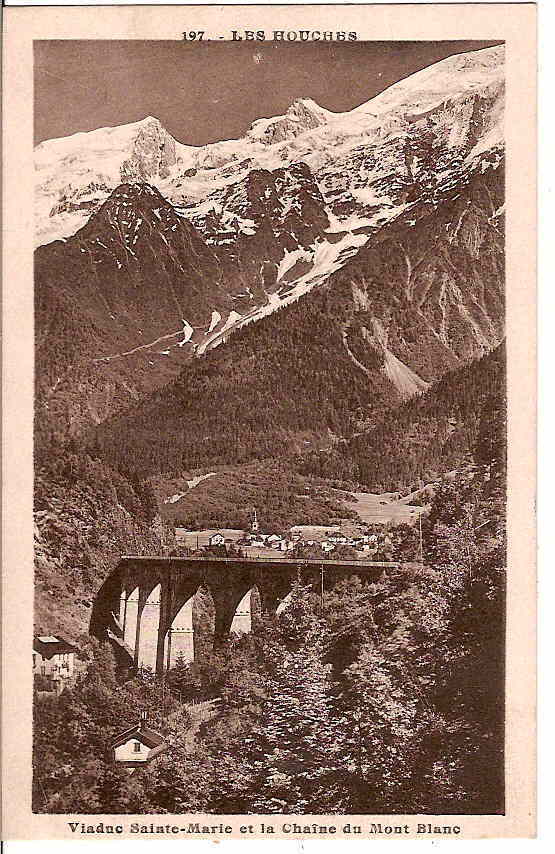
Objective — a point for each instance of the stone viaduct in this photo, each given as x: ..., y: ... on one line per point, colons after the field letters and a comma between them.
x: 145, y: 605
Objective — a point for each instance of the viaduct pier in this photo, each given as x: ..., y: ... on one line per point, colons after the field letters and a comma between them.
x: 147, y: 601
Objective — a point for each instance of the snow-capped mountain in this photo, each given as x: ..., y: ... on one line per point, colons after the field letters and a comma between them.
x: 459, y: 100
x: 75, y: 174
x: 224, y: 234
x: 302, y: 115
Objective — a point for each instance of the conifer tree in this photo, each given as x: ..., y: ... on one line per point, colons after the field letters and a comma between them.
x: 298, y: 742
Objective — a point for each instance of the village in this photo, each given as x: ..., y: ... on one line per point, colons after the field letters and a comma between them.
x: 57, y: 663
x: 362, y: 539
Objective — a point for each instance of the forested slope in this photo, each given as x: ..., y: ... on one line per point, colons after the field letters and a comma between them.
x: 427, y: 435
x: 86, y: 516
x: 390, y: 700
x: 424, y: 298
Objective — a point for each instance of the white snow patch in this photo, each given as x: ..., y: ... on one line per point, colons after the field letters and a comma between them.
x: 173, y: 498
x: 290, y: 259
x: 327, y: 258
x: 350, y: 223
x: 216, y: 318
x: 196, y: 480
x: 187, y: 333
x: 232, y: 319
x: 367, y: 196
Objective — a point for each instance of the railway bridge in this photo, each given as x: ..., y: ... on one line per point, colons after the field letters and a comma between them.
x: 145, y: 606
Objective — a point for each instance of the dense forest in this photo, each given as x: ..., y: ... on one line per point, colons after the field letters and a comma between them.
x: 86, y: 516
x: 88, y: 513
x: 229, y: 411
x: 275, y: 385
x: 283, y: 497
x: 427, y: 435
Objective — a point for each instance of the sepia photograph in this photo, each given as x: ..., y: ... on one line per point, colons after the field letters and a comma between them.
x: 269, y: 422
x: 270, y: 427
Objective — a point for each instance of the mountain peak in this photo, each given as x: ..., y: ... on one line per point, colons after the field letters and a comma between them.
x: 301, y: 104
x: 129, y: 205
x: 135, y: 190
x: 454, y: 76
x: 303, y: 114
x: 134, y: 195
x: 149, y: 120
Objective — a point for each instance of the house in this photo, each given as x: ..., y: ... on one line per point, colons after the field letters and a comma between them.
x: 327, y: 546
x: 54, y: 659
x: 278, y: 545
x: 137, y: 745
x: 216, y: 539
x: 273, y: 538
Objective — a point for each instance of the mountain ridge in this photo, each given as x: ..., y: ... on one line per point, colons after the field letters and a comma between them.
x: 351, y: 202
x: 195, y: 170
x: 329, y: 365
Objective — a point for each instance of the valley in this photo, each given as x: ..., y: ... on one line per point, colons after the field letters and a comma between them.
x: 285, y: 348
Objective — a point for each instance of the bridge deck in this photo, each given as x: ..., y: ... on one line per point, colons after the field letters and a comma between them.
x: 255, y: 561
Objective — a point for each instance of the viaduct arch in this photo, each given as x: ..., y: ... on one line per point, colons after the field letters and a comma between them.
x: 145, y: 599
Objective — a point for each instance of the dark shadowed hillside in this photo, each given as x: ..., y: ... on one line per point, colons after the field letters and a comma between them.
x: 425, y: 297
x: 462, y: 413
x: 108, y: 303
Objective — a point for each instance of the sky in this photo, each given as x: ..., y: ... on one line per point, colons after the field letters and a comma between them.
x: 208, y: 91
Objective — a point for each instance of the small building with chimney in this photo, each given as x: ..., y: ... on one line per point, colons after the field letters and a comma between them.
x: 137, y: 745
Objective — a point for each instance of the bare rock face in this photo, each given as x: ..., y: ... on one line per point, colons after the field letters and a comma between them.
x: 260, y: 218
x: 429, y: 290
x: 303, y: 114
x: 153, y: 156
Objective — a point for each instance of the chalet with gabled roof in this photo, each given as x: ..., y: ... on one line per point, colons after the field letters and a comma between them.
x: 137, y: 745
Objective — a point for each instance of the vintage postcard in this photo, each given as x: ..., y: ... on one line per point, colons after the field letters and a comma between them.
x: 269, y: 404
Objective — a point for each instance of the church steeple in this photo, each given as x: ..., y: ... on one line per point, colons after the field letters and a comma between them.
x: 254, y: 523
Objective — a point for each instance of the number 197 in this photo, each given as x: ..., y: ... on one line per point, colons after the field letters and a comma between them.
x: 193, y: 35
